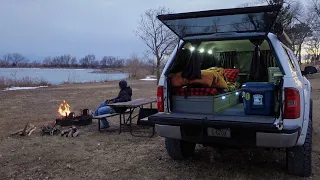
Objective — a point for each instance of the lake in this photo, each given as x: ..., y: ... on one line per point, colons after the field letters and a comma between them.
x: 58, y: 76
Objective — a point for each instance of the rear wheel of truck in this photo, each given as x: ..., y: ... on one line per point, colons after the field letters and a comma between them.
x: 178, y: 149
x: 299, y: 157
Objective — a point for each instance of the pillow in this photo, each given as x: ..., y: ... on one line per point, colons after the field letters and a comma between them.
x: 231, y: 74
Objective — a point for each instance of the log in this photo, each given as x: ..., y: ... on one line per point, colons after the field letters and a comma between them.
x: 66, y: 131
x: 16, y: 132
x: 23, y: 132
x: 70, y: 133
x: 29, y: 129
x: 76, y: 133
x: 33, y: 129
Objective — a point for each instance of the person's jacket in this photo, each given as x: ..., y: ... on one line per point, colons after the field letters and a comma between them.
x: 124, y: 95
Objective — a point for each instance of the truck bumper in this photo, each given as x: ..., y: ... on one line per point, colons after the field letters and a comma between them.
x: 243, y: 134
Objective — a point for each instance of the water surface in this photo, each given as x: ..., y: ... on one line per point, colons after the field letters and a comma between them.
x: 58, y: 76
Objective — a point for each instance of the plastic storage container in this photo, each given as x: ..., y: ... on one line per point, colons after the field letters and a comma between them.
x: 274, y: 74
x: 205, y: 104
x: 259, y: 98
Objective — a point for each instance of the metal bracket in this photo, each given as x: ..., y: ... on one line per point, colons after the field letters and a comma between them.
x: 279, y: 124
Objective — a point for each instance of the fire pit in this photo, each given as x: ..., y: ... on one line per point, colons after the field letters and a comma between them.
x: 68, y: 118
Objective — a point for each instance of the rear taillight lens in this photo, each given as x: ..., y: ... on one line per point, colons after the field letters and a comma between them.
x: 291, y: 103
x: 160, y: 102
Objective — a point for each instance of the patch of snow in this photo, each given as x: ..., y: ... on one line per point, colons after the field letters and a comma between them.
x: 22, y: 88
x: 149, y: 78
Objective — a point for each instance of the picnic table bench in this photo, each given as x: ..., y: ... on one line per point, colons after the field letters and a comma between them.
x: 130, y: 106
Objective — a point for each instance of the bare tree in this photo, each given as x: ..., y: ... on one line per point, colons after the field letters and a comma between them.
x: 103, y: 62
x: 110, y: 61
x: 5, y: 62
x: 15, y: 58
x: 66, y: 60
x: 73, y: 61
x: 136, y: 67
x: 313, y: 48
x: 119, y: 63
x: 133, y: 65
x: 18, y: 58
x: 47, y: 62
x: 159, y: 39
x: 295, y: 19
x: 88, y: 60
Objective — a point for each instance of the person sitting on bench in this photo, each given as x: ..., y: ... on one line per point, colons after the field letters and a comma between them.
x: 123, y: 96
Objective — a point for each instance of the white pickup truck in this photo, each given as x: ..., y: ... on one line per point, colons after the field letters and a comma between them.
x: 246, y: 41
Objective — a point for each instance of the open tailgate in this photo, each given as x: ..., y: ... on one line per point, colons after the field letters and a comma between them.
x: 218, y: 120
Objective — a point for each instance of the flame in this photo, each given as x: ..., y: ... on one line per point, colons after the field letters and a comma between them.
x: 64, y: 109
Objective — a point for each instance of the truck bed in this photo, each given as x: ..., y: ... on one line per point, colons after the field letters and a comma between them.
x: 236, y: 113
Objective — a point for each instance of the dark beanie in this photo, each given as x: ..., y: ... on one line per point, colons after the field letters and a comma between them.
x: 123, y: 84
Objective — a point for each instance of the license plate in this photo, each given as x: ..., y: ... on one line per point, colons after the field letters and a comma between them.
x: 219, y: 132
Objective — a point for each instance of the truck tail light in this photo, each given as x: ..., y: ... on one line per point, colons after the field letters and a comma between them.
x: 291, y: 103
x: 160, y: 101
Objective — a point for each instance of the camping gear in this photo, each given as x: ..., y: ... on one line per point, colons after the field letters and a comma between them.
x: 258, y: 98
x: 274, y: 75
x: 205, y: 104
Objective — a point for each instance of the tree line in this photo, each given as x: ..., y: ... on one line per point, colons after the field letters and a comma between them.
x: 63, y: 61
x: 135, y: 66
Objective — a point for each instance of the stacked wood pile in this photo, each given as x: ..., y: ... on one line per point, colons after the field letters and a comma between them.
x: 48, y: 130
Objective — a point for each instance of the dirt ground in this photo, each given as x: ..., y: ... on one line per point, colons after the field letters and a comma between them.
x: 110, y: 155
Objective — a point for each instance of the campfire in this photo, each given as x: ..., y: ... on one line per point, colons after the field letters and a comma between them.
x: 68, y: 118
x: 64, y: 109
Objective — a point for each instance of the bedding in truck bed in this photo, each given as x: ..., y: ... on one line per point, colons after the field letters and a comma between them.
x: 204, y: 91
x: 195, y: 91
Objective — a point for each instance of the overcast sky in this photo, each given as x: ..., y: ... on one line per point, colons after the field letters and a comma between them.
x: 40, y: 28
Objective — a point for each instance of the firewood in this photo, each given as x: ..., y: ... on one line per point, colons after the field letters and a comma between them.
x: 33, y: 129
x: 66, y: 131
x: 76, y: 133
x: 70, y: 133
x: 16, y: 132
x: 29, y: 128
x: 23, y: 132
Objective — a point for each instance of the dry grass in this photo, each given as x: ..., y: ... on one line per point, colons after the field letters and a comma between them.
x: 109, y: 155
x: 24, y: 82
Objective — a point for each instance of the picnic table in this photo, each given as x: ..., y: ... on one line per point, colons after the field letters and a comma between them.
x: 130, y: 107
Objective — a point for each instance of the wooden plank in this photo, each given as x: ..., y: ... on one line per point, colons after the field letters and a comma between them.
x: 134, y: 103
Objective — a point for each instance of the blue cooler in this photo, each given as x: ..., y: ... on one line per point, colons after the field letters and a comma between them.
x: 258, y: 98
